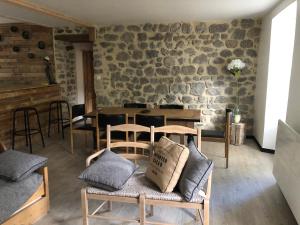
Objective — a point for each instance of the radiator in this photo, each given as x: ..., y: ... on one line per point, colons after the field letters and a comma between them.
x: 287, y: 166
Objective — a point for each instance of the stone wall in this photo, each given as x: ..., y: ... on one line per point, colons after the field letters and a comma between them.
x: 65, y: 71
x: 180, y: 63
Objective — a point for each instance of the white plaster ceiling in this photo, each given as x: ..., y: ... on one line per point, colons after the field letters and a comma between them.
x: 102, y: 12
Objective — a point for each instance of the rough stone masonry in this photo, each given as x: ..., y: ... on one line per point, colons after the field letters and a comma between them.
x: 179, y: 63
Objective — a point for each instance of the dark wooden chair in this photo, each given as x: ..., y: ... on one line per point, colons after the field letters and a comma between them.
x: 171, y: 106
x: 103, y: 120
x: 219, y: 135
x: 148, y: 121
x: 79, y: 124
x: 135, y: 105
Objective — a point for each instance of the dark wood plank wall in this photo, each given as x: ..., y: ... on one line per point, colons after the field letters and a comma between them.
x: 17, y: 67
x: 38, y: 97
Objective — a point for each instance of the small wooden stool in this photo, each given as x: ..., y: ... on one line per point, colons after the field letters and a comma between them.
x: 238, y: 133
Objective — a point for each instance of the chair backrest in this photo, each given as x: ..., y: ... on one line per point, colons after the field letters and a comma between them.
x: 171, y: 106
x: 171, y: 129
x: 150, y: 120
x: 135, y: 105
x: 133, y: 128
x: 78, y: 110
x: 111, y: 119
x: 177, y: 129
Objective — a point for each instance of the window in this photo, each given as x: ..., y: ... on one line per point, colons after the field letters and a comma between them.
x: 280, y: 65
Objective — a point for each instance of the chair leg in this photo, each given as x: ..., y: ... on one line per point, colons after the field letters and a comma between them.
x: 151, y: 213
x: 142, y: 209
x: 197, y: 215
x: 40, y: 129
x: 61, y: 121
x: 206, y: 213
x: 13, y: 130
x: 57, y: 117
x: 29, y: 131
x: 72, y: 141
x: 182, y: 139
x: 227, y: 154
x: 85, y: 207
x: 109, y: 206
x: 25, y: 129
x: 49, y: 119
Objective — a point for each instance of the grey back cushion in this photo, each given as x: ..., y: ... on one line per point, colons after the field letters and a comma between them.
x: 110, y: 172
x: 195, y: 173
x: 15, y: 165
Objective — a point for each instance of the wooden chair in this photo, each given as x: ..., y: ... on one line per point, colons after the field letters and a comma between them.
x: 102, y: 120
x: 171, y: 106
x: 135, y: 105
x: 141, y: 197
x: 79, y: 124
x: 220, y: 136
x: 36, y: 206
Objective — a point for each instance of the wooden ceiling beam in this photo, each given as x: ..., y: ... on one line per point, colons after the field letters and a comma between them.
x: 47, y: 11
x: 74, y: 38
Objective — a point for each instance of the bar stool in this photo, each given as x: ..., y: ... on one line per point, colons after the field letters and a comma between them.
x: 61, y: 121
x: 28, y: 130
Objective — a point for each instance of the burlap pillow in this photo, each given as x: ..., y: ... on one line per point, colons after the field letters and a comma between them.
x: 166, y: 164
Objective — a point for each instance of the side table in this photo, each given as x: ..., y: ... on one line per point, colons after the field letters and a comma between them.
x: 238, y: 133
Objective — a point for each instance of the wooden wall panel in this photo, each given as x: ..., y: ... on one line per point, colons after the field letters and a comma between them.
x: 17, y: 67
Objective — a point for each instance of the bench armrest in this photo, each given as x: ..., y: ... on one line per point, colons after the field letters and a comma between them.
x: 91, y: 157
x: 2, y: 147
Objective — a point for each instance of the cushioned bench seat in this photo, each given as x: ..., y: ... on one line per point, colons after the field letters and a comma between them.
x: 139, y: 184
x: 14, y: 195
x: 213, y: 133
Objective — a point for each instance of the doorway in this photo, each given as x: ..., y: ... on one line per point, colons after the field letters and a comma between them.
x: 88, y: 75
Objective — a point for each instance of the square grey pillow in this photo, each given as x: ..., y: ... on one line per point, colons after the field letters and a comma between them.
x: 110, y: 172
x: 195, y: 173
x: 15, y: 165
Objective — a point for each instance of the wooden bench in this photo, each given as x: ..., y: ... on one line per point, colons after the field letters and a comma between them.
x: 142, y: 195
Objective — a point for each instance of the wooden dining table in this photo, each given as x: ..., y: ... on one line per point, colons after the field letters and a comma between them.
x: 173, y: 116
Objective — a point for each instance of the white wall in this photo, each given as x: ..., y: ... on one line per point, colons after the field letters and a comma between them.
x: 293, y: 111
x: 79, y: 47
x: 260, y: 131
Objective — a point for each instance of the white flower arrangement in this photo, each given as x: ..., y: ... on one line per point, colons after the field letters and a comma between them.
x: 236, y: 65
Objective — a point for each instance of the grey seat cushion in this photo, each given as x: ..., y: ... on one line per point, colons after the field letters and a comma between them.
x: 139, y: 184
x: 110, y: 172
x: 15, y: 165
x: 213, y: 133
x: 13, y: 195
x: 195, y: 173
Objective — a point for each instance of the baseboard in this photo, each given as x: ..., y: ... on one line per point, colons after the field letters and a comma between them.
x: 266, y: 150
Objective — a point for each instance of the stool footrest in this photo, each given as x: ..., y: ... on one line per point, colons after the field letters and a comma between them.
x: 23, y: 132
